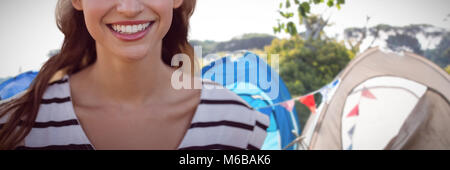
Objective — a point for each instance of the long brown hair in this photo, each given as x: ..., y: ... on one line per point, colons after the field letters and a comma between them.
x: 77, y: 52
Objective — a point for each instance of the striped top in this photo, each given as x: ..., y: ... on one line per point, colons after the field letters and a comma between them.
x: 222, y: 121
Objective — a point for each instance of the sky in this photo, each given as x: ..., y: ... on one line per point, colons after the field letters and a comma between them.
x: 28, y: 30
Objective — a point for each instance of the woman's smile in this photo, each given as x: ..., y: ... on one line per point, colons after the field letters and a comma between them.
x: 130, y: 30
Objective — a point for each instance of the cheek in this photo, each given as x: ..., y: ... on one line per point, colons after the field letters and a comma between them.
x: 164, y: 10
x: 94, y: 11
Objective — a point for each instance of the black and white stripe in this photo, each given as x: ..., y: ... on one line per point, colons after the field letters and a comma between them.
x: 43, y: 125
x: 212, y: 147
x: 72, y: 122
x: 226, y: 122
x: 222, y: 121
x: 225, y: 102
x: 56, y: 100
x: 62, y: 81
x: 59, y: 147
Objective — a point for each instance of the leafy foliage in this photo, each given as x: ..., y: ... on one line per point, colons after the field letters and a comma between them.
x: 290, y: 8
x: 403, y: 42
x: 307, y: 65
x: 441, y: 54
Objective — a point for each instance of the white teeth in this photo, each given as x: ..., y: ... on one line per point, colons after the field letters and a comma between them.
x: 130, y: 29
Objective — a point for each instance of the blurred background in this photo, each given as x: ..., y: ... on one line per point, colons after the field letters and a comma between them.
x: 315, y: 38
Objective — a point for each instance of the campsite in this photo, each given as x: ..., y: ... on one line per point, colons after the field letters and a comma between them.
x: 371, y: 86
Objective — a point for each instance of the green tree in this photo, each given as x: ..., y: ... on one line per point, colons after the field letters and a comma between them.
x: 314, y: 25
x: 400, y: 36
x: 441, y: 54
x: 307, y: 65
x: 288, y: 9
x: 403, y: 42
x: 308, y: 60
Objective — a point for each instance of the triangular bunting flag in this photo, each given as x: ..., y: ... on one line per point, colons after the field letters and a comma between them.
x: 288, y: 105
x: 351, y: 131
x: 309, y: 102
x: 335, y: 83
x: 354, y: 112
x: 366, y: 93
x: 313, y: 109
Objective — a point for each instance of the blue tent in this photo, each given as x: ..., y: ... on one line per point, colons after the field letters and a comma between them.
x: 244, y: 79
x: 16, y: 85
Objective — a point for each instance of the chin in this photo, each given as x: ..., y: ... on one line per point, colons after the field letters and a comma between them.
x: 132, y: 57
x: 133, y: 54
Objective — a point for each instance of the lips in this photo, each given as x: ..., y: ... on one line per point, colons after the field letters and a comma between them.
x: 130, y: 30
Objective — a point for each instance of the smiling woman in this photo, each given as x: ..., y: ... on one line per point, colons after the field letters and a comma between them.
x: 110, y: 87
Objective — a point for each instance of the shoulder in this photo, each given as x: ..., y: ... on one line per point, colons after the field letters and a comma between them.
x: 218, y: 95
x: 219, y: 98
x: 57, y: 93
x: 226, y: 121
x: 56, y: 124
x: 57, y: 89
x: 56, y: 103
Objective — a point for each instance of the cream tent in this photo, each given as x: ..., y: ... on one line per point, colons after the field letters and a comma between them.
x: 384, y: 101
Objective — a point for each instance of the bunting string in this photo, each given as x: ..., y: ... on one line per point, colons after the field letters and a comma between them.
x: 308, y: 99
x: 293, y: 99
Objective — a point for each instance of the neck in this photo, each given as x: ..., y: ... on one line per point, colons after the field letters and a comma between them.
x: 131, y: 81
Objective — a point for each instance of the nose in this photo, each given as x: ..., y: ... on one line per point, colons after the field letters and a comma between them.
x: 130, y: 8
